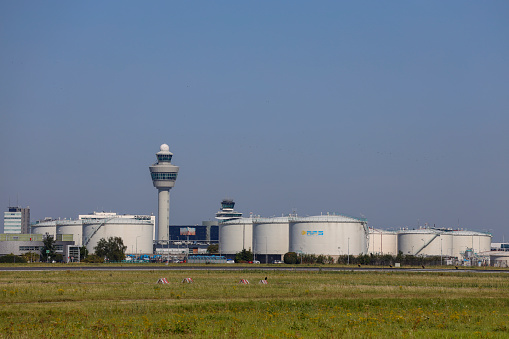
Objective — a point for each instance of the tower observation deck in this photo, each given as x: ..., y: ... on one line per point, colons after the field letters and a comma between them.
x: 164, y: 175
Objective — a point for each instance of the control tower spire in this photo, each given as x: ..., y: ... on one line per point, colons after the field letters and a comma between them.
x: 164, y: 175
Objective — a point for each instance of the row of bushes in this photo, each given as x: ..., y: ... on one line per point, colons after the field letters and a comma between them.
x: 27, y: 257
x: 364, y: 259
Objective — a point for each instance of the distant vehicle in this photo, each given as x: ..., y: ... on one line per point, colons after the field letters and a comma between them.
x: 277, y: 262
x: 256, y: 262
x: 230, y: 261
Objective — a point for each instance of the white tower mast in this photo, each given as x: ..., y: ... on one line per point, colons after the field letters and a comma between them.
x: 164, y: 175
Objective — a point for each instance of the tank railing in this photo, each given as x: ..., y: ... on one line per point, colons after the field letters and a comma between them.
x: 324, y: 217
x: 273, y: 220
x: 426, y: 244
x: 117, y: 220
x: 69, y: 222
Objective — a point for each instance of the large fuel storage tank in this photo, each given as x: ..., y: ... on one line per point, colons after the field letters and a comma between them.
x: 419, y: 242
x: 382, y: 242
x: 136, y: 234
x: 44, y: 227
x: 477, y: 241
x: 74, y: 227
x: 271, y: 236
x: 499, y: 259
x: 328, y: 235
x: 446, y: 244
x: 236, y: 235
x: 426, y: 242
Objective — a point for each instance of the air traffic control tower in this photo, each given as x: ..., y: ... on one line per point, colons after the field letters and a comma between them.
x: 164, y: 175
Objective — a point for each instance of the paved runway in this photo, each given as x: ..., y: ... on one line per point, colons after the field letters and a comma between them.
x: 232, y: 267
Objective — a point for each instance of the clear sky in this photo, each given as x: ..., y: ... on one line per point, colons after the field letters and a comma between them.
x: 396, y: 111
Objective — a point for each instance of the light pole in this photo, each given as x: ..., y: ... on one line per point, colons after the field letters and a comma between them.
x: 139, y: 236
x: 168, y: 254
x: 441, y: 260
x: 178, y: 247
x: 348, y: 250
x: 266, y: 254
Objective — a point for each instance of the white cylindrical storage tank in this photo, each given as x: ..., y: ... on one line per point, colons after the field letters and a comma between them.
x: 44, y: 227
x: 477, y: 241
x: 499, y: 259
x: 447, y: 244
x: 74, y: 227
x: 271, y: 235
x: 419, y: 242
x: 136, y: 234
x: 484, y: 242
x: 328, y: 235
x: 236, y: 235
x: 382, y: 242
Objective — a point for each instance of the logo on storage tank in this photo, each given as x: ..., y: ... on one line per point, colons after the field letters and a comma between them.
x: 312, y: 233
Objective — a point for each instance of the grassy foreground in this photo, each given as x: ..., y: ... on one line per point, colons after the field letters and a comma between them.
x: 293, y: 305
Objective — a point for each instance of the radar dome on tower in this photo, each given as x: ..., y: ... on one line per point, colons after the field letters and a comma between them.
x: 165, y: 148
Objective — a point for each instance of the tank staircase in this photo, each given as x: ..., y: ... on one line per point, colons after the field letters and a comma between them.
x: 97, y: 229
x: 426, y: 244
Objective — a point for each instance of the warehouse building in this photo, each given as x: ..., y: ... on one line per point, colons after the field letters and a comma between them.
x: 19, y: 244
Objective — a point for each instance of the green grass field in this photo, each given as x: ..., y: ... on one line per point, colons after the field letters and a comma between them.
x: 111, y: 304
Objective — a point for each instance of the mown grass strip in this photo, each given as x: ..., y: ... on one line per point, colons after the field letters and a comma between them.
x: 293, y: 304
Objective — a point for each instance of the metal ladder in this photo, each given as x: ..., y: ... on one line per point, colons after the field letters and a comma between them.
x: 97, y: 229
x: 426, y: 244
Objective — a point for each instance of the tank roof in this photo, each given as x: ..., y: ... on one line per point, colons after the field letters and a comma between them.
x: 378, y: 231
x: 326, y: 218
x: 420, y: 231
x: 470, y: 233
x: 274, y: 220
x: 239, y: 221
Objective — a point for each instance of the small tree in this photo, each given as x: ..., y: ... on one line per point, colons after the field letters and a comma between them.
x: 31, y: 256
x: 112, y: 249
x: 244, y: 255
x: 93, y: 259
x: 291, y: 258
x: 59, y: 257
x: 48, y: 248
x: 213, y: 249
x: 83, y: 252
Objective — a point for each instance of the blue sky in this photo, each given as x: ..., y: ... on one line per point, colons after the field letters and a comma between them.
x: 397, y: 111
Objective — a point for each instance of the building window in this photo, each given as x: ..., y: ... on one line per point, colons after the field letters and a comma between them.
x: 29, y: 248
x: 164, y: 157
x: 164, y: 176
